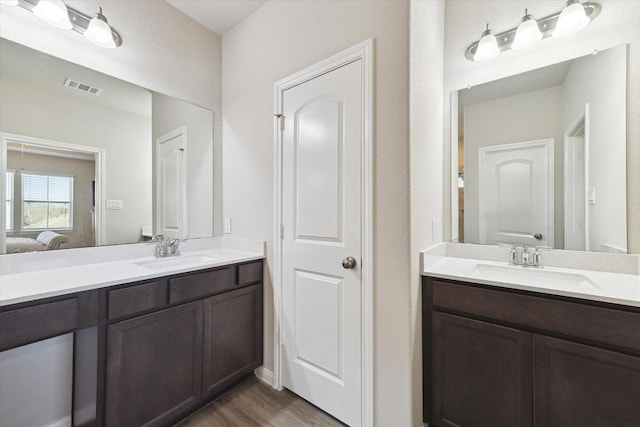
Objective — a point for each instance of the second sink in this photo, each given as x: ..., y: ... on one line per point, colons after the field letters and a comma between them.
x: 533, y: 276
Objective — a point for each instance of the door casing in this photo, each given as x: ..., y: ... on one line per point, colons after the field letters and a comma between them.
x: 364, y: 52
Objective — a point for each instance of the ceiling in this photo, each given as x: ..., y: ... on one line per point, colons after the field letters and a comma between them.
x: 217, y: 15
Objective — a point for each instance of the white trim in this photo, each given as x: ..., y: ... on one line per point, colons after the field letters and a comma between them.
x: 100, y: 162
x: 364, y: 52
x: 455, y: 220
x: 578, y: 127
x: 264, y: 375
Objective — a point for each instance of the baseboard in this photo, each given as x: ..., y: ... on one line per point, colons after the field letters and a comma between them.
x: 65, y: 422
x: 264, y: 375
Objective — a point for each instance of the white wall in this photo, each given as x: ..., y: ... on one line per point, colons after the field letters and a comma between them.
x: 279, y: 39
x: 169, y: 114
x: 616, y: 24
x: 425, y: 126
x: 519, y: 118
x: 600, y: 80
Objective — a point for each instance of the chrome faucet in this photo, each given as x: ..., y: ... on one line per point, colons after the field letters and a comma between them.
x: 168, y: 247
x: 523, y: 257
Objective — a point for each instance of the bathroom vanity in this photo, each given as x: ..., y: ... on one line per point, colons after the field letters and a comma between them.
x: 502, y: 354
x: 150, y: 351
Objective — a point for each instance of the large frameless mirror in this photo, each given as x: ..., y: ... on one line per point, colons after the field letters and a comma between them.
x: 541, y: 157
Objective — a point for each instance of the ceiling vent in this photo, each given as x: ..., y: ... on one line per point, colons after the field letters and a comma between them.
x: 82, y: 86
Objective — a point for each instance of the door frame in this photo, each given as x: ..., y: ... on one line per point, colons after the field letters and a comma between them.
x: 580, y: 124
x: 364, y: 52
x: 99, y: 172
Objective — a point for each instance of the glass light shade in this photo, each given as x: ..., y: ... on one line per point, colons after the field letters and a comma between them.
x: 9, y: 2
x: 53, y: 12
x: 527, y: 34
x: 99, y: 32
x: 572, y: 19
x: 487, y: 47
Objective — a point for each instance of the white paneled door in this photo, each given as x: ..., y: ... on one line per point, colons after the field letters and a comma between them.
x: 171, y: 184
x: 322, y: 242
x: 516, y: 193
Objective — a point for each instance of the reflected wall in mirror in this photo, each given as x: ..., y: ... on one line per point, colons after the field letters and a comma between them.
x: 542, y: 157
x: 53, y: 112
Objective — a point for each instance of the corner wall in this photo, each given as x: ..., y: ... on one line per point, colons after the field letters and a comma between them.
x: 279, y: 39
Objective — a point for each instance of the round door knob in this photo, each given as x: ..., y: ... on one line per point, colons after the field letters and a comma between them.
x: 349, y: 262
x: 537, y: 236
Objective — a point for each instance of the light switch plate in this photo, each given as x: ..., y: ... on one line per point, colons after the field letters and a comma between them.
x: 114, y: 204
x: 227, y: 225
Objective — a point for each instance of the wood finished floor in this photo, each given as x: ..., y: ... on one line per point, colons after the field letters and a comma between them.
x: 256, y: 404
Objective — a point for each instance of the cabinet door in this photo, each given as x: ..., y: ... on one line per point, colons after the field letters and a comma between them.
x: 154, y: 367
x: 579, y: 385
x: 232, y: 338
x: 481, y: 374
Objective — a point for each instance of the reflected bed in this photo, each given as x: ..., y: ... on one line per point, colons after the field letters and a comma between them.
x: 47, y: 240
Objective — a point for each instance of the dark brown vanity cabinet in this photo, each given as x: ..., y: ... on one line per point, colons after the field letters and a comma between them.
x: 232, y: 339
x: 154, y: 367
x: 198, y: 335
x: 501, y: 357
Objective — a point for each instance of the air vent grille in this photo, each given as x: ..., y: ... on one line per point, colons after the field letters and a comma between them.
x: 82, y: 86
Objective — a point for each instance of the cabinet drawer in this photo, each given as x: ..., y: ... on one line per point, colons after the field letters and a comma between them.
x: 200, y: 285
x: 604, y: 325
x: 137, y: 298
x: 29, y: 324
x: 250, y: 273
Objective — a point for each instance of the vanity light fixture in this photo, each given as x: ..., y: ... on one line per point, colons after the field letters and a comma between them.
x: 56, y: 13
x: 487, y: 46
x: 527, y: 33
x: 53, y: 12
x: 572, y: 18
x: 9, y: 2
x: 99, y: 32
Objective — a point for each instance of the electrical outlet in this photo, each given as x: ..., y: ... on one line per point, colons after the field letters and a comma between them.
x: 227, y: 225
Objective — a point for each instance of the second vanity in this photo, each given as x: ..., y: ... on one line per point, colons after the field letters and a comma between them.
x: 154, y: 339
x: 508, y: 346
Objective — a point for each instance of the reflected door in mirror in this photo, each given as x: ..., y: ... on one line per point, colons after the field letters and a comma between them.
x: 516, y: 193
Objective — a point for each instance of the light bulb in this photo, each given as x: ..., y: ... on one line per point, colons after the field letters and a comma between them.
x: 99, y: 32
x: 572, y: 19
x: 53, y: 12
x: 487, y: 46
x: 527, y: 34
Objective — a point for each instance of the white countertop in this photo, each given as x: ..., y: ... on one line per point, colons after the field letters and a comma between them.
x: 28, y: 286
x: 600, y: 286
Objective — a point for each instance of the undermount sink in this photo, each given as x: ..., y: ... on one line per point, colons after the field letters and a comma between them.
x: 176, y: 261
x: 533, y: 276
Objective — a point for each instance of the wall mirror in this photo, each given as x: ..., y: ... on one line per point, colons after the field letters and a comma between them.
x: 78, y: 157
x: 541, y: 157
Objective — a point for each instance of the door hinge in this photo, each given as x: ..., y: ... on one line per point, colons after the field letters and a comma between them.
x: 281, y: 119
x: 281, y: 231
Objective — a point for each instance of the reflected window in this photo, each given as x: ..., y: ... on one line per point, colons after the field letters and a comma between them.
x: 47, y: 201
